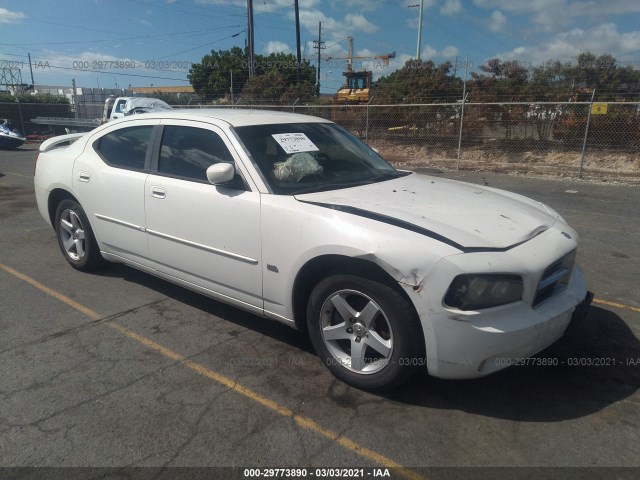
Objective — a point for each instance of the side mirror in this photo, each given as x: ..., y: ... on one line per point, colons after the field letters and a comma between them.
x: 219, y: 173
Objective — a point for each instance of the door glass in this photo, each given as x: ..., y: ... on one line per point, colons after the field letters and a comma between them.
x: 187, y: 152
x: 126, y: 147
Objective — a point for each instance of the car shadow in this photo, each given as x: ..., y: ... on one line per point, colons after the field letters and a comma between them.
x: 598, y: 364
x: 270, y: 328
x: 575, y: 387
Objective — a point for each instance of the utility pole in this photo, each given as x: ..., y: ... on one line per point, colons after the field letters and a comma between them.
x: 250, y: 37
x: 31, y: 70
x: 231, y: 87
x: 419, y: 30
x: 73, y: 96
x: 319, y: 44
x: 299, y: 57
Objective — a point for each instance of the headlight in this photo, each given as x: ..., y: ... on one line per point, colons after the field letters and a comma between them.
x: 475, y: 292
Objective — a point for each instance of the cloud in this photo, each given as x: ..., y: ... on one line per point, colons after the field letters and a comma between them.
x: 566, y: 46
x: 7, y: 16
x: 332, y: 27
x: 451, y: 7
x: 276, y: 47
x: 554, y: 14
x: 497, y: 21
x: 428, y: 52
x: 358, y: 22
x: 449, y: 51
x: 360, y: 5
x: 144, y: 22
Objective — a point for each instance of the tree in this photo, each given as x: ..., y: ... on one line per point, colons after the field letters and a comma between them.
x: 212, y: 77
x: 419, y: 82
x: 500, y: 80
x: 273, y: 87
x: 275, y: 79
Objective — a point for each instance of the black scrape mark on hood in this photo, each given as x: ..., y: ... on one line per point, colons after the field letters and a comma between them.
x: 379, y: 217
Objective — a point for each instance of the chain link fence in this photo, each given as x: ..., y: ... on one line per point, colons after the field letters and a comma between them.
x: 572, y: 139
x: 567, y: 139
x: 589, y: 140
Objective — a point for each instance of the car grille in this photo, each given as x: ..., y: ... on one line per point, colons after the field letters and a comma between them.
x: 555, y: 278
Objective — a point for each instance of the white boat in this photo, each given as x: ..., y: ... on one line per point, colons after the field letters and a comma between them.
x: 9, y: 138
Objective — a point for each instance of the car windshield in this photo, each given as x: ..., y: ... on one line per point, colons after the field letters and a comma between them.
x: 297, y: 158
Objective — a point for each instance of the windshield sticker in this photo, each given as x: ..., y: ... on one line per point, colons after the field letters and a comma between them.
x: 295, y: 142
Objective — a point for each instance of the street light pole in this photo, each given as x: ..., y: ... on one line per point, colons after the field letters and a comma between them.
x: 298, y: 56
x: 419, y: 30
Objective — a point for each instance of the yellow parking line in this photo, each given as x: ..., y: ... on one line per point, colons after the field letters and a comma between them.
x: 57, y: 295
x: 18, y: 175
x: 616, y: 305
x: 303, y: 422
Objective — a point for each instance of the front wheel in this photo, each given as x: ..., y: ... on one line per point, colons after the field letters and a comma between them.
x: 366, y: 332
x: 75, y: 237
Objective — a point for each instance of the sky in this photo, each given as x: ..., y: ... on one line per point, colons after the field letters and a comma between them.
x: 122, y: 43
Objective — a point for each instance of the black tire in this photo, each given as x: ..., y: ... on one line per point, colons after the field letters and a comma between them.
x: 75, y: 237
x: 393, y: 320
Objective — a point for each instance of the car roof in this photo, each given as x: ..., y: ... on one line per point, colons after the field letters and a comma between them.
x: 236, y: 117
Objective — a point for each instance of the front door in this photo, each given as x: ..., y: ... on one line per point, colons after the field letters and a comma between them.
x: 204, y: 234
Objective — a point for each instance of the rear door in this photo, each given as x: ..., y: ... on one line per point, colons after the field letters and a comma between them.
x: 204, y: 234
x: 109, y: 179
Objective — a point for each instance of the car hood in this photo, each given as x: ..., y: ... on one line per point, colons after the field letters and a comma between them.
x: 467, y: 216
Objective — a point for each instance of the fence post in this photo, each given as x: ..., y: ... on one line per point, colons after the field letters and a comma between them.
x: 293, y: 107
x: 366, y: 126
x: 586, y: 134
x: 24, y: 132
x: 464, y: 99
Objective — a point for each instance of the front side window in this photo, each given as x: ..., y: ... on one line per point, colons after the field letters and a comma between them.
x: 119, y: 105
x: 298, y: 158
x: 126, y: 147
x: 187, y: 152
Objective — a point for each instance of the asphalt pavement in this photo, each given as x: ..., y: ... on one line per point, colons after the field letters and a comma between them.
x: 120, y: 369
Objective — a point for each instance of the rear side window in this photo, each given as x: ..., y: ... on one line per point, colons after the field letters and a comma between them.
x: 187, y: 152
x: 126, y: 147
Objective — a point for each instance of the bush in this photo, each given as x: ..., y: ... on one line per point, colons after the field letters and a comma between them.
x: 32, y: 106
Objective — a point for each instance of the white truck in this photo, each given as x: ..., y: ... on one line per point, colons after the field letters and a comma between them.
x: 114, y: 108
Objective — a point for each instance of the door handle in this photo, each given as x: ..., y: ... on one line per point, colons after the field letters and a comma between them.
x: 158, y: 192
x: 84, y: 176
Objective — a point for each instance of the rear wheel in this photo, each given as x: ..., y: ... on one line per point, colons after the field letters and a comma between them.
x: 75, y: 237
x: 366, y: 332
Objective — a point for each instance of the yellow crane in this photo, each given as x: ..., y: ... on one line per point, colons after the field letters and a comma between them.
x: 357, y: 86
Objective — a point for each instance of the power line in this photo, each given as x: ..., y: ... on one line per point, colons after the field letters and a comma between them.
x: 123, y: 38
x: 198, y: 47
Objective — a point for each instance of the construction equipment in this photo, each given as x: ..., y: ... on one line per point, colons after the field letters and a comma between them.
x: 358, y: 84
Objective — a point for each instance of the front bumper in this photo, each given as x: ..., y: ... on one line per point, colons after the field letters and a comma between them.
x: 501, y: 337
x: 473, y: 344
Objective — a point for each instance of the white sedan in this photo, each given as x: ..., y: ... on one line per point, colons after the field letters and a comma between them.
x: 293, y: 218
